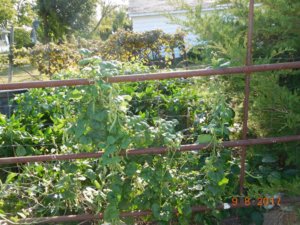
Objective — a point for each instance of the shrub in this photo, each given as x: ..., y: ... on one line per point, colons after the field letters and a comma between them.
x: 21, y: 56
x: 52, y: 58
x: 147, y: 47
x: 3, y: 61
x: 22, y: 38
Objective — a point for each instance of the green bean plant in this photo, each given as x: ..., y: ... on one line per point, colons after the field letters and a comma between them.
x: 102, y: 117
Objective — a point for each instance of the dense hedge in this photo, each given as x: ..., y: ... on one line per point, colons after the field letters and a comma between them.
x: 150, y: 48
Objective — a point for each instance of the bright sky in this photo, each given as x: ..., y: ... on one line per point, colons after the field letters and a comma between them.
x: 123, y: 2
x: 117, y: 2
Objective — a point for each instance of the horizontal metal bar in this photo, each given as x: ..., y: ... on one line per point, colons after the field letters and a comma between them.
x: 155, y: 76
x: 154, y: 150
x: 89, y: 217
x: 44, y: 84
x: 206, y: 72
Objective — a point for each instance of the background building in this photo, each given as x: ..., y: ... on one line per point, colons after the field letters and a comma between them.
x: 151, y: 15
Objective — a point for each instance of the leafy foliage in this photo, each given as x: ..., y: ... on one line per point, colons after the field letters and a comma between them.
x: 117, y: 21
x: 52, y: 58
x: 90, y: 118
x: 25, y: 12
x: 115, y: 118
x: 123, y: 46
x: 7, y: 11
x: 130, y: 46
x: 21, y: 56
x: 3, y: 61
x: 60, y: 17
x: 22, y: 38
x: 274, y: 97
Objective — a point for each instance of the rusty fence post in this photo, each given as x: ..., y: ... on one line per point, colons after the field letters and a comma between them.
x: 247, y: 93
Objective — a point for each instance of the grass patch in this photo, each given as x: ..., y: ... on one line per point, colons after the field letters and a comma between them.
x: 21, y: 74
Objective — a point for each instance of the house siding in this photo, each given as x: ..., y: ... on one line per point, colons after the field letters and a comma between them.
x: 144, y: 23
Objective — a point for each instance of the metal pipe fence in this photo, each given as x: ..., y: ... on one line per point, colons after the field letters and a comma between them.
x: 248, y: 69
x: 147, y: 151
x: 247, y: 93
x: 89, y: 217
x: 155, y: 76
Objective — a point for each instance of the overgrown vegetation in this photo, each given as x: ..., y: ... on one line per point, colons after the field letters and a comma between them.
x: 115, y: 118
x: 123, y: 46
x: 118, y: 117
x: 51, y: 58
x: 274, y: 100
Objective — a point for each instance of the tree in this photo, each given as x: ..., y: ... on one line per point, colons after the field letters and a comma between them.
x: 275, y: 96
x: 117, y: 20
x: 276, y: 29
x: 60, y: 17
x: 25, y: 12
x: 17, y: 11
x: 121, y: 21
x: 22, y: 38
x: 7, y: 11
x: 107, y: 7
x: 223, y: 34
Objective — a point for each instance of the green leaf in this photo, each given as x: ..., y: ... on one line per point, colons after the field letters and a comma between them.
x: 91, y: 174
x: 10, y: 177
x: 204, y: 138
x: 85, y: 52
x: 80, y: 128
x: 111, y: 140
x: 274, y: 177
x: 86, y: 61
x: 187, y: 210
x: 269, y: 159
x: 99, y: 116
x: 84, y: 140
x: 22, y: 215
x: 155, y: 210
x: 111, y: 213
x: 223, y: 181
x: 265, y: 169
x: 20, y: 151
x: 76, y: 94
x: 131, y: 168
x: 125, y: 143
x: 97, y: 185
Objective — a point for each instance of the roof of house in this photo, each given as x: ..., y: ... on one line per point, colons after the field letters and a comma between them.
x: 156, y: 6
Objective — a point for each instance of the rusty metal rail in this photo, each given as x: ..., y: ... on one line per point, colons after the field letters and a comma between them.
x: 144, y: 151
x: 156, y: 76
x: 247, y: 93
x: 90, y: 217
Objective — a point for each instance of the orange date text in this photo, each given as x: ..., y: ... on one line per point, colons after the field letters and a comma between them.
x: 263, y: 201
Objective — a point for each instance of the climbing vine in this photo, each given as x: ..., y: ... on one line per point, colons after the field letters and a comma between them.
x: 101, y: 117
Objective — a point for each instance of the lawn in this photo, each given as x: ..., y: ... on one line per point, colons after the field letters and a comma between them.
x: 21, y: 74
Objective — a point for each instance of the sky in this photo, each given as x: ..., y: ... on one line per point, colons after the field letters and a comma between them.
x: 117, y: 2
x: 123, y: 2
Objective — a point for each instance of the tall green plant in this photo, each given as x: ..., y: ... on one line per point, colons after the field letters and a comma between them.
x: 224, y: 36
x: 274, y: 96
x: 60, y: 17
x: 100, y: 117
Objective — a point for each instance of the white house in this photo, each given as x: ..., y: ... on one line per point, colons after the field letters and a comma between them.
x: 4, y: 43
x: 150, y: 15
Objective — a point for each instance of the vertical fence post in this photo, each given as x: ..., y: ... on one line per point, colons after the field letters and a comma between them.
x: 11, y: 54
x: 247, y: 92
